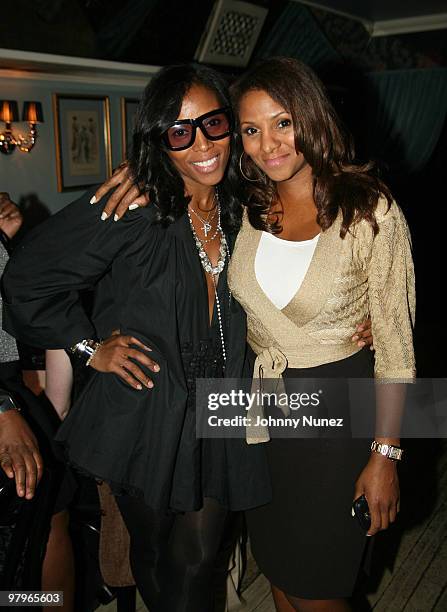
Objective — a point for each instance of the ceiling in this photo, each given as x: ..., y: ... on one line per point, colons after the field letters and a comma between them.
x: 160, y: 32
x: 407, y: 15
x: 380, y: 10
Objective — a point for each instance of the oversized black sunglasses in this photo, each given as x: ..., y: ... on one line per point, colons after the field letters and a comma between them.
x: 214, y: 125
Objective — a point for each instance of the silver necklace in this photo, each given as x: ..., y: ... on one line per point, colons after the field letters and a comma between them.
x: 223, y: 248
x: 214, y: 270
x: 206, y: 227
x: 211, y: 238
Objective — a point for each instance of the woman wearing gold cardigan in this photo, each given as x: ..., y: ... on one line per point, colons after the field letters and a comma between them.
x: 322, y: 246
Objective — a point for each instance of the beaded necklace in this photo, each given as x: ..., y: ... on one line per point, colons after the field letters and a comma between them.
x: 214, y: 270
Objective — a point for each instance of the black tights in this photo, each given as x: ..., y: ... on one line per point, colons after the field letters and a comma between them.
x: 173, y: 556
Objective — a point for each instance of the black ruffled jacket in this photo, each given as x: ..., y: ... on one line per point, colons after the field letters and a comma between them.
x: 150, y: 284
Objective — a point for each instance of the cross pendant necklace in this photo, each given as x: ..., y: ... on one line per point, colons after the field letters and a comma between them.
x: 206, y: 226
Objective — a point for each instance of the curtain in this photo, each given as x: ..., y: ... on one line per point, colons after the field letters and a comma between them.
x: 407, y: 110
x: 297, y: 34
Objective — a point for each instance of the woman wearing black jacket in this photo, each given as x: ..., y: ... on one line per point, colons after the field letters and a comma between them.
x: 161, y: 275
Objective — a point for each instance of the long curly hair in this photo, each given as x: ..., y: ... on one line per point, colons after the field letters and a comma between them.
x: 152, y: 170
x: 339, y: 184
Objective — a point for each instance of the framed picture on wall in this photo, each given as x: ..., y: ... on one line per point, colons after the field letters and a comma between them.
x: 82, y: 134
x: 128, y: 110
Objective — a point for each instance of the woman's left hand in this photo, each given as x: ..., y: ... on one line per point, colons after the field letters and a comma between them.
x: 379, y: 483
x: 363, y: 335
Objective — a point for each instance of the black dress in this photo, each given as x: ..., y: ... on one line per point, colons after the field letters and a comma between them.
x: 150, y: 285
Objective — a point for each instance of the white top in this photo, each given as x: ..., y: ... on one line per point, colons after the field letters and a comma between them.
x: 291, y: 258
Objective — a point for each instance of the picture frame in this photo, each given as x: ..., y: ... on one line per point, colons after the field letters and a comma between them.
x: 128, y: 110
x: 82, y: 138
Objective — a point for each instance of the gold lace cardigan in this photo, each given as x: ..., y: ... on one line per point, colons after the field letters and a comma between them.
x: 347, y: 280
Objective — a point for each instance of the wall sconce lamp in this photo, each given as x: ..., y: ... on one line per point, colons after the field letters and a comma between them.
x: 32, y: 113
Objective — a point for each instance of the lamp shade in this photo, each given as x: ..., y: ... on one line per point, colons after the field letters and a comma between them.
x: 32, y: 112
x: 8, y: 111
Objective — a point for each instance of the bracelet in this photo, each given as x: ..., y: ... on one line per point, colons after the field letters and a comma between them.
x: 387, y: 450
x: 85, y: 350
x: 7, y: 404
x: 97, y: 345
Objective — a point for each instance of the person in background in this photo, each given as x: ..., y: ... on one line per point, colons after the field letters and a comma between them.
x: 19, y: 453
x: 20, y: 457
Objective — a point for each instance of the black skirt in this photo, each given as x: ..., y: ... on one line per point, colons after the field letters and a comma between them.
x: 306, y: 541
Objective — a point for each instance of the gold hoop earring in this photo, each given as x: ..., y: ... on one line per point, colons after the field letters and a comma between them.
x: 243, y: 173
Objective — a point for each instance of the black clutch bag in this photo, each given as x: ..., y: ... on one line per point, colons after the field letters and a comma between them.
x: 361, y: 510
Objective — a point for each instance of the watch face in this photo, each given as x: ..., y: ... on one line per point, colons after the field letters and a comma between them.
x: 395, y: 453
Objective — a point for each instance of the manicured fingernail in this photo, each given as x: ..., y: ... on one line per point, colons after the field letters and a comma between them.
x: 352, y: 512
x: 369, y: 535
x: 355, y: 338
x: 156, y: 368
x: 93, y: 200
x: 150, y: 384
x: 115, y: 218
x: 133, y: 206
x: 361, y: 343
x: 371, y: 348
x: 104, y: 216
x: 139, y: 387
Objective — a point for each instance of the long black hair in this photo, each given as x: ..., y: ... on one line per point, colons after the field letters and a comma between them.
x: 339, y: 184
x: 150, y: 165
